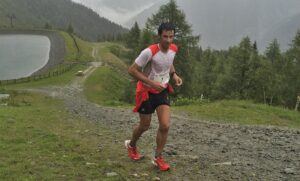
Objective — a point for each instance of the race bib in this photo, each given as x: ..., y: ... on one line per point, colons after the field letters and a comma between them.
x: 164, y: 79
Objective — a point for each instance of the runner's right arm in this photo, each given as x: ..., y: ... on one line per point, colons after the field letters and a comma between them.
x: 135, y: 71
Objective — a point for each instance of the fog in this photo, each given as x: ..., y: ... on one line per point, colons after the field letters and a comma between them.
x: 220, y: 23
x: 118, y: 11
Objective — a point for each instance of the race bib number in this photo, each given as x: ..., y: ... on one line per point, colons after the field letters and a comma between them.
x: 164, y: 79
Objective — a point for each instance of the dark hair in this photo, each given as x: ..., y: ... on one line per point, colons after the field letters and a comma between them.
x: 165, y: 26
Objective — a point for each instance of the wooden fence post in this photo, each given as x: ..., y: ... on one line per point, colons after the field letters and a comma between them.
x: 297, y: 103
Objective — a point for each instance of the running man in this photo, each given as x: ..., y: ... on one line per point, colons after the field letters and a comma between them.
x: 153, y: 69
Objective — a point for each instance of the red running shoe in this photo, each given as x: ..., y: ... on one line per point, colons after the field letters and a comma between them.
x: 132, y: 151
x: 160, y: 163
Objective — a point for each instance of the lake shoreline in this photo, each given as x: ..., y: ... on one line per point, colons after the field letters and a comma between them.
x: 57, y: 47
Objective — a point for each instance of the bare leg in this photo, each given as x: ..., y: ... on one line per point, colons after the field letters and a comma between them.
x: 163, y: 114
x: 139, y: 129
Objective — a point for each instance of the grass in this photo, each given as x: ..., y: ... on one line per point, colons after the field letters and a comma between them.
x: 105, y: 87
x: 40, y: 140
x: 71, y: 51
x: 86, y: 49
x: 243, y: 112
x: 106, y: 56
x: 109, y: 85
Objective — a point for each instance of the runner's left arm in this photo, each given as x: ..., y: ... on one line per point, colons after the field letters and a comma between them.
x: 178, y: 81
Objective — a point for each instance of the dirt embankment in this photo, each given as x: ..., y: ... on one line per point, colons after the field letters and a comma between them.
x: 57, y: 49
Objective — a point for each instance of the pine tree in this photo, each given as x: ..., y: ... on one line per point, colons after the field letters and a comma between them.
x: 147, y: 38
x: 133, y: 37
x: 292, y: 71
x: 239, y: 66
x: 273, y: 51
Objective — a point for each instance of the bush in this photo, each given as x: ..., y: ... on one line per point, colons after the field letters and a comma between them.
x: 129, y: 93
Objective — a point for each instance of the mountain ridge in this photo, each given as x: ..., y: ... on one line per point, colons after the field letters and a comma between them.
x: 59, y: 14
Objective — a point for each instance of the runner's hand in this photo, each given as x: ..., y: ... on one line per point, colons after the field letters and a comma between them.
x: 158, y: 86
x: 177, y: 79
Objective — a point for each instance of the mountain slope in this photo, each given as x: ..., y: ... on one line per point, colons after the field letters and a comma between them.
x: 59, y: 14
x: 118, y: 11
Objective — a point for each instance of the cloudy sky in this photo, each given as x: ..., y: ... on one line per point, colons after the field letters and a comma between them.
x: 220, y: 23
x: 119, y: 11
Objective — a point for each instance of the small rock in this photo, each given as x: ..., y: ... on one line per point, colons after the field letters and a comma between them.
x: 135, y: 175
x: 111, y: 174
x: 4, y: 96
x: 156, y: 178
x: 145, y: 174
x: 193, y: 157
x: 289, y: 171
x: 224, y: 163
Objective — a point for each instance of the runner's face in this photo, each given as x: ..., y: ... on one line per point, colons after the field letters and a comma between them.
x: 167, y: 38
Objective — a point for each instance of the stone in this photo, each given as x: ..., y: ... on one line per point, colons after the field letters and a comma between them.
x: 289, y: 171
x: 111, y: 174
x: 4, y: 96
x: 156, y: 178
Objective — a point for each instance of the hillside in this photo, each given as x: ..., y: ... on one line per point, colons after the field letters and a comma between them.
x: 59, y: 14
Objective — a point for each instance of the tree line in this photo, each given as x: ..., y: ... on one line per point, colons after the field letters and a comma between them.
x: 240, y: 72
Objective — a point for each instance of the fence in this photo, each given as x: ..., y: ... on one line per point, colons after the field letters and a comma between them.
x: 58, y: 71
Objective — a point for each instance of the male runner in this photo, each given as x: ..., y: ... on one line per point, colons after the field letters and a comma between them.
x: 153, y: 69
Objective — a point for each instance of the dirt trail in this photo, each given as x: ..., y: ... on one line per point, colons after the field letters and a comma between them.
x: 204, y: 150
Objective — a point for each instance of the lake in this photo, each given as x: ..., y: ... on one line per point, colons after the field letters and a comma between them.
x: 22, y: 55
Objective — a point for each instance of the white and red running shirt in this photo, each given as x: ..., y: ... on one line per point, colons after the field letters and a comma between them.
x: 156, y: 64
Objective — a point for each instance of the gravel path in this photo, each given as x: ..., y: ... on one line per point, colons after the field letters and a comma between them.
x: 206, y: 151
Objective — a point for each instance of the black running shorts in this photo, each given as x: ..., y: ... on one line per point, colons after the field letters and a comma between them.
x: 155, y: 100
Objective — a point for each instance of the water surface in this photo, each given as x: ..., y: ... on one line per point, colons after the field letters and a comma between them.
x: 22, y: 55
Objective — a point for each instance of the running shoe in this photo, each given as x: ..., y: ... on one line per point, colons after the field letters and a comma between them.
x: 132, y: 151
x: 160, y: 163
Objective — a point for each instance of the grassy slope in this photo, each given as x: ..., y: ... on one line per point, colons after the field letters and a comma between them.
x: 86, y: 49
x: 41, y: 141
x: 109, y: 58
x: 243, y: 112
x: 107, y: 84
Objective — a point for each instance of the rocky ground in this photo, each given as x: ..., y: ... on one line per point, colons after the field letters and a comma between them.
x: 197, y: 149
